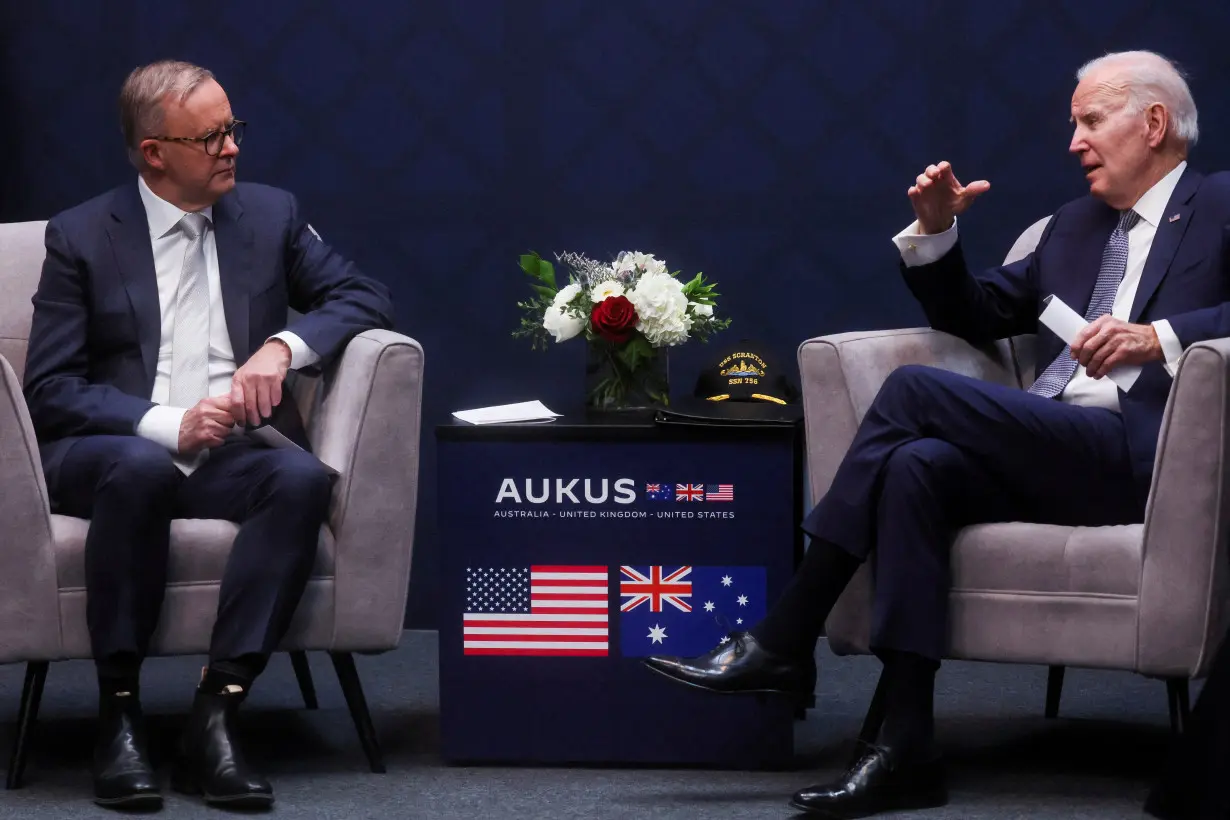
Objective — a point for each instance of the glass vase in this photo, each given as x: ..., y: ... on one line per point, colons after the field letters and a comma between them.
x: 611, y: 386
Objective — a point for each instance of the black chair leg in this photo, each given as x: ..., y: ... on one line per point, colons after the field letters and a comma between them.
x: 875, y: 713
x: 352, y: 689
x: 303, y: 674
x: 1178, y: 695
x: 31, y: 695
x: 1054, y: 688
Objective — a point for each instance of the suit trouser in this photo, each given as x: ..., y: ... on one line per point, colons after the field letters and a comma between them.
x: 130, y: 490
x: 938, y: 451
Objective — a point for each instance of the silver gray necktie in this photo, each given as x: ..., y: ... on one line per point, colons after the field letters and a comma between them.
x: 190, y: 337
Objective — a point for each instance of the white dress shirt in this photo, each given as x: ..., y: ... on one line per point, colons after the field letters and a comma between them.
x: 923, y: 249
x: 161, y: 423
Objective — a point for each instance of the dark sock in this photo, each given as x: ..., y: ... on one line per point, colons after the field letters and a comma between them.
x: 796, y: 621
x: 238, y: 672
x: 118, y: 673
x: 909, y: 705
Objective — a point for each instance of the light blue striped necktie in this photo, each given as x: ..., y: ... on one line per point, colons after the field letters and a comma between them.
x: 1114, y: 264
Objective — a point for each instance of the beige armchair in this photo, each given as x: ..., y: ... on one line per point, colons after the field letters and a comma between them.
x: 362, y: 417
x: 1148, y: 598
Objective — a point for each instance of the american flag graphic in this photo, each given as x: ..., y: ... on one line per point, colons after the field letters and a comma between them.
x: 689, y: 492
x: 656, y: 588
x: 719, y: 492
x: 542, y: 610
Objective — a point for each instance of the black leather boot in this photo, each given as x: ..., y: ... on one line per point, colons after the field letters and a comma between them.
x: 741, y: 664
x: 123, y: 775
x: 210, y: 761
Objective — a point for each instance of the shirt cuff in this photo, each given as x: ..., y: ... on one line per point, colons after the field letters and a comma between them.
x: 922, y: 249
x: 1172, y: 348
x: 300, y: 354
x: 161, y: 426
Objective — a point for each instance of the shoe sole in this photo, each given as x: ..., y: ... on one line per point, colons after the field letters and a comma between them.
x: 254, y: 800
x: 802, y: 700
x: 148, y: 802
x: 241, y: 801
x: 929, y: 802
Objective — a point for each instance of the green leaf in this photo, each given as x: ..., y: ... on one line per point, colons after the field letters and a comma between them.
x: 539, y: 268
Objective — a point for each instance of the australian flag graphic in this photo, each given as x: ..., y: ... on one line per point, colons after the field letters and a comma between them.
x: 685, y: 610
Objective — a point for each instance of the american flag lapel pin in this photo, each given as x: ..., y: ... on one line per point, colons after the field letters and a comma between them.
x: 1174, y: 218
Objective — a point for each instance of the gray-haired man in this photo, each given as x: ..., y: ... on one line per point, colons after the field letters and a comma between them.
x: 159, y: 328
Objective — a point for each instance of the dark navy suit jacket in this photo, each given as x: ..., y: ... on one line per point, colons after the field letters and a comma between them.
x: 96, y: 329
x: 1186, y: 280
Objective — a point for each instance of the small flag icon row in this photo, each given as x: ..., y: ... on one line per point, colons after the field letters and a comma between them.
x: 690, y: 492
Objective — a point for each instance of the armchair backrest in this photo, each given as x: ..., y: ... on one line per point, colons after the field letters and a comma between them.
x: 1023, y: 346
x: 21, y: 262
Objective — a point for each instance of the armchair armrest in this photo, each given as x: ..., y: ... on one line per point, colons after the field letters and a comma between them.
x: 1184, y: 582
x: 841, y: 375
x: 29, y: 590
x: 367, y: 427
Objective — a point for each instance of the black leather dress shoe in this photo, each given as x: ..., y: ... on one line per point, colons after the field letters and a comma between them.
x: 742, y: 665
x: 876, y: 783
x: 123, y: 776
x: 211, y: 763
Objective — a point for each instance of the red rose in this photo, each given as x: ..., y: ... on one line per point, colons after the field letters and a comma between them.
x: 614, y: 319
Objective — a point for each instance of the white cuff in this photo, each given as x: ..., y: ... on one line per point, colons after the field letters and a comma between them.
x: 161, y: 426
x: 923, y: 249
x: 300, y: 354
x: 1172, y: 348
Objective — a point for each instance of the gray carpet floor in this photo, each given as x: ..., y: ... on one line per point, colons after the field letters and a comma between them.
x: 1006, y: 760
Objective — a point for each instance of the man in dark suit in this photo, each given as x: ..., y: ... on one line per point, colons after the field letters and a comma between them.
x: 1144, y: 259
x: 159, y: 333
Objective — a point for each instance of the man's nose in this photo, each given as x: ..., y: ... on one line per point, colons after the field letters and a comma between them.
x: 1078, y: 143
x: 230, y: 148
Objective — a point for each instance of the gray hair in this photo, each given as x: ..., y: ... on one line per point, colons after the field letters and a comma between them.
x: 1151, y: 78
x: 144, y: 93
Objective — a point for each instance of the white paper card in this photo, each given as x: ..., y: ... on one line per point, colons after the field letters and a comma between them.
x: 507, y: 413
x: 1066, y: 323
x: 272, y: 438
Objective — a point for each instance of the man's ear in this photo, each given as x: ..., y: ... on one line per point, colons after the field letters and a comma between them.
x: 151, y: 152
x: 1157, y: 122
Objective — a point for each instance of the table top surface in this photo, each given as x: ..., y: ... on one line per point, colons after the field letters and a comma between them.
x: 619, y: 426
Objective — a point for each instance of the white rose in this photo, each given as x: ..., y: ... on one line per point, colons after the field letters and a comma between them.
x: 605, y: 290
x: 701, y: 310
x: 662, y: 309
x: 563, y: 326
x: 566, y: 295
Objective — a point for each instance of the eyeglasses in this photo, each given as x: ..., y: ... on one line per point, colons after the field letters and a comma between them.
x: 214, y: 140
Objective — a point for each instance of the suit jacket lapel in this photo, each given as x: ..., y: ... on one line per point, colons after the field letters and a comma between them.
x: 234, y: 242
x: 1075, y: 288
x: 134, y: 258
x: 1166, y: 241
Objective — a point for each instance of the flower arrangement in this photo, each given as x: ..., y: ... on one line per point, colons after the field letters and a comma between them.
x: 628, y: 311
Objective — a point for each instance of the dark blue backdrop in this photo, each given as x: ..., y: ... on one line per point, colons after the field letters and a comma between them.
x: 768, y: 144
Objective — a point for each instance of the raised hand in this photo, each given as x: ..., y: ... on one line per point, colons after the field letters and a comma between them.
x: 938, y: 196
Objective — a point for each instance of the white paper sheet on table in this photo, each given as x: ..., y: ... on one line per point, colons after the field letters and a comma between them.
x: 521, y: 412
x: 1066, y: 323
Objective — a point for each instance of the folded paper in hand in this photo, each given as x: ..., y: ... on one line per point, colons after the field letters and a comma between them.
x: 271, y: 437
x: 1066, y: 323
x: 526, y: 411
